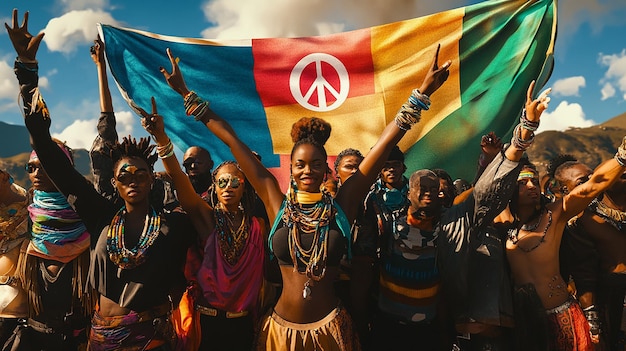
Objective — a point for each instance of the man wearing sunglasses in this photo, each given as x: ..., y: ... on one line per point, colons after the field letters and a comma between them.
x: 198, y: 164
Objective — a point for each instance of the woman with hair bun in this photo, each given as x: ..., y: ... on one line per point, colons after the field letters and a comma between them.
x: 311, y: 230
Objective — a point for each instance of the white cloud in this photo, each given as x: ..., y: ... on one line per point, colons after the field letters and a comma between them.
x: 568, y: 86
x: 286, y: 18
x: 74, y: 28
x: 565, y: 116
x: 607, y: 91
x: 615, y: 75
x: 8, y: 83
x: 70, y: 5
x: 80, y: 134
x: 125, y: 123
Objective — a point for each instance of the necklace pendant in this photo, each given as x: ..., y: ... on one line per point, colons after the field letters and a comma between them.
x: 306, y: 292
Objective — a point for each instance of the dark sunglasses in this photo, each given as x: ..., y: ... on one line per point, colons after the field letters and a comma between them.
x: 222, y: 182
x: 191, y: 162
x: 32, y: 168
x: 137, y: 177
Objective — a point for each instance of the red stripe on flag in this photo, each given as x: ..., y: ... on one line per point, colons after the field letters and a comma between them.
x: 275, y: 60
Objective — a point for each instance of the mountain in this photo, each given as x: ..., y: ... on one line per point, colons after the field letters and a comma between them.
x: 15, y: 150
x: 590, y: 145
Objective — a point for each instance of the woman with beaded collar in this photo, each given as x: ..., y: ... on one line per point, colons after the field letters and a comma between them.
x: 137, y: 254
x: 226, y: 267
x: 311, y: 229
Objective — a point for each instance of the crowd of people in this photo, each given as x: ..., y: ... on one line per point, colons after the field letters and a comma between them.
x: 372, y: 256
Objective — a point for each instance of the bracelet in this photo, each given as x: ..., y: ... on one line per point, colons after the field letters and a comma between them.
x: 620, y: 155
x: 518, y: 142
x: 593, y: 318
x: 24, y: 65
x: 419, y: 100
x: 195, y: 106
x: 166, y: 150
x: 528, y: 124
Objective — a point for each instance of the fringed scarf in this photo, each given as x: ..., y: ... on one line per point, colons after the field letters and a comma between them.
x: 57, y: 232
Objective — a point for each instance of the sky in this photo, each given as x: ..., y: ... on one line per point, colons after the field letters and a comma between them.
x: 588, y: 81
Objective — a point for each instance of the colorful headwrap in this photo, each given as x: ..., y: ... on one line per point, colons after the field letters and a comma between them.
x: 66, y: 151
x: 524, y: 174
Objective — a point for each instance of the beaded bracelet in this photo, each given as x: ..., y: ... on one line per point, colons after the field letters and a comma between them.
x: 411, y: 111
x: 419, y: 100
x: 407, y: 116
x: 195, y: 106
x: 166, y: 150
x: 517, y: 140
x: 528, y: 124
x: 21, y: 64
x: 620, y: 155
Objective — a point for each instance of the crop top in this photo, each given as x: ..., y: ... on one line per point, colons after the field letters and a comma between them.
x: 339, y: 240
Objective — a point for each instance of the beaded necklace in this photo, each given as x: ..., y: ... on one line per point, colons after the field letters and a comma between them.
x: 232, y: 239
x: 314, y: 220
x: 118, y: 253
x: 513, y: 234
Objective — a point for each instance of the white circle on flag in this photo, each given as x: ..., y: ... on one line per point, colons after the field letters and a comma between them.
x: 320, y: 85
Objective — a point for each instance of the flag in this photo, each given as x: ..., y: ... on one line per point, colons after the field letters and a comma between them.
x: 355, y: 80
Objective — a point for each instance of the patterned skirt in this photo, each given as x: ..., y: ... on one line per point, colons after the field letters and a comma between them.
x: 568, y: 328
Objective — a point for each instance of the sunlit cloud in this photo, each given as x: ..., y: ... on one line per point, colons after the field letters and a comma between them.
x: 568, y: 86
x: 245, y: 19
x: 565, y: 116
x: 74, y: 28
x: 615, y: 75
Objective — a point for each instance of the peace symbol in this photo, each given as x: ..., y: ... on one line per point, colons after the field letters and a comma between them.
x: 320, y: 85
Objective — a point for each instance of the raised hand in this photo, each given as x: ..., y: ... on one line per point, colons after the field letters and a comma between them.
x: 534, y: 108
x: 175, y: 79
x: 152, y: 122
x: 25, y: 44
x: 97, y: 51
x: 436, y: 75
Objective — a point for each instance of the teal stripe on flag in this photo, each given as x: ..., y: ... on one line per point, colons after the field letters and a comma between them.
x: 224, y: 74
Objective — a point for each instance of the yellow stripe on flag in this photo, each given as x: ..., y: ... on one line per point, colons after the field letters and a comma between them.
x: 403, y: 52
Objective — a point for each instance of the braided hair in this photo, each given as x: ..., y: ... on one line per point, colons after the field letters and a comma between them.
x: 345, y: 153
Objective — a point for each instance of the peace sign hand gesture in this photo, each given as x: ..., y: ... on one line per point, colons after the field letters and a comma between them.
x: 152, y: 122
x: 436, y: 75
x: 175, y: 79
x: 25, y: 44
x: 534, y: 108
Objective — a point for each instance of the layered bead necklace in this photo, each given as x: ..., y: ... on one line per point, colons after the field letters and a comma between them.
x: 118, y: 253
x: 232, y: 238
x: 313, y: 220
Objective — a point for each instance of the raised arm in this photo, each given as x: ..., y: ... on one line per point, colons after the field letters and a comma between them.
x: 101, y: 162
x: 262, y: 180
x: 495, y: 186
x: 199, y: 211
x: 37, y: 119
x: 601, y: 179
x: 355, y: 188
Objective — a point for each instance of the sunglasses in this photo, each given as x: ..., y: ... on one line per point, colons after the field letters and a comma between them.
x: 190, y: 162
x: 127, y: 178
x: 223, y: 181
x: 32, y: 168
